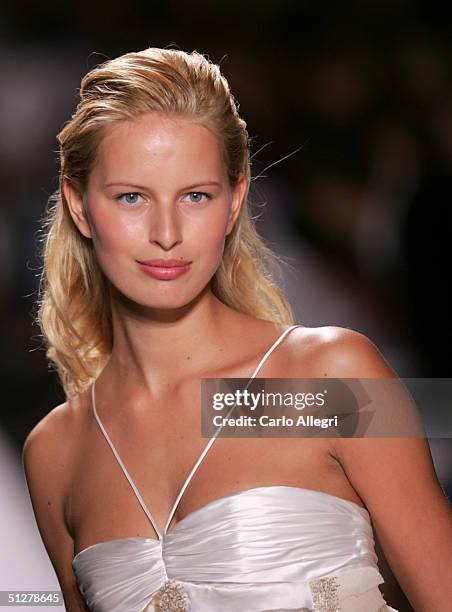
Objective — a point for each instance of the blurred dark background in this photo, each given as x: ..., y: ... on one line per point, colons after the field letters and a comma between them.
x: 350, y: 109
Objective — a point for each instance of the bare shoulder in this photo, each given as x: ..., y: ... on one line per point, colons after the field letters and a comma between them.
x: 46, y: 448
x: 51, y: 441
x: 47, y: 457
x: 337, y: 352
x: 52, y: 421
x: 395, y: 477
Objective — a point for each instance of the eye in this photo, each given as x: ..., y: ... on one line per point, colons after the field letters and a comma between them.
x: 134, y: 194
x: 199, y: 193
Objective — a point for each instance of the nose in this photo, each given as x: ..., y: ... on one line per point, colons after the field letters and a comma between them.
x: 165, y: 228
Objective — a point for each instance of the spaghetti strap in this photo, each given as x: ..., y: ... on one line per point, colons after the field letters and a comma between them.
x: 123, y: 467
x: 200, y: 458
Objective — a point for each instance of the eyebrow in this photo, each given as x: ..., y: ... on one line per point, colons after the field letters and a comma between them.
x: 197, y: 184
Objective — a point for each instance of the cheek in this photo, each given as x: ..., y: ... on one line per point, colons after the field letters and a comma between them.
x: 207, y: 237
x: 115, y: 234
x: 116, y: 240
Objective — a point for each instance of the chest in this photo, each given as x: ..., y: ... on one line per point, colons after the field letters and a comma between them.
x: 161, y: 458
x: 160, y: 453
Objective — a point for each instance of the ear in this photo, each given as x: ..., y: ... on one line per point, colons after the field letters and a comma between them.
x: 77, y: 208
x: 237, y: 201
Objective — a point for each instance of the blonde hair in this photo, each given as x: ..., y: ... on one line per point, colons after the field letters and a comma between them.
x: 73, y: 307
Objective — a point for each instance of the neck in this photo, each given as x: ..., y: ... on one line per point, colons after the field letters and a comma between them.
x: 153, y: 351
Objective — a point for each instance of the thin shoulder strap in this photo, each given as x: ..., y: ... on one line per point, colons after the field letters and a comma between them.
x: 123, y: 467
x: 214, y: 437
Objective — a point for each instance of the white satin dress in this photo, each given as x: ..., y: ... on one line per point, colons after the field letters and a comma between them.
x: 264, y: 549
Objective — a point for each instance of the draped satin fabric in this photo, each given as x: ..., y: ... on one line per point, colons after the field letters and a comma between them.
x: 263, y: 549
x: 251, y: 551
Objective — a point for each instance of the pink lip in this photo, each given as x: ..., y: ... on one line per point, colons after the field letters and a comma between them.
x: 165, y: 272
x: 164, y: 263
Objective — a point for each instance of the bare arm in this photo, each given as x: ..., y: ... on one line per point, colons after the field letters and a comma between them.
x: 46, y: 461
x: 396, y: 479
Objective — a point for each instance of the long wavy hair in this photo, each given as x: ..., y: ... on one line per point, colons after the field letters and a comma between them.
x: 73, y: 305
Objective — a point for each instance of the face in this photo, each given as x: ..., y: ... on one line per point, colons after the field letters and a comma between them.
x: 159, y: 190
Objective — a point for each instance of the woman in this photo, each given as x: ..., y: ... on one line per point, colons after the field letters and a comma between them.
x: 154, y: 278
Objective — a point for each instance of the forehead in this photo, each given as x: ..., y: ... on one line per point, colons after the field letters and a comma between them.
x: 159, y: 146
